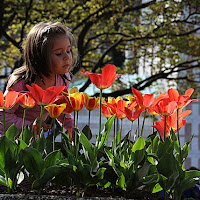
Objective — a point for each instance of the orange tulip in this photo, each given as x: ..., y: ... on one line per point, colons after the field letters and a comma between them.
x: 55, y: 110
x: 182, y: 100
x: 104, y: 80
x: 105, y: 111
x: 90, y: 102
x: 9, y: 100
x: 77, y: 100
x: 118, y: 109
x: 26, y: 101
x: 171, y: 123
x: 44, y: 97
x: 172, y: 119
x: 160, y: 126
x: 132, y: 116
x: 165, y: 107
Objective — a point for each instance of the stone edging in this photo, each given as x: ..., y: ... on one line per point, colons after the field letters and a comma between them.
x: 54, y: 197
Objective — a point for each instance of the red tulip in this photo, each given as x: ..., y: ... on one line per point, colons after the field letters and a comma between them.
x: 171, y: 123
x: 104, y: 80
x: 182, y: 100
x: 26, y: 101
x: 9, y: 100
x: 105, y: 111
x: 160, y: 126
x: 44, y: 97
x: 118, y: 109
x: 132, y: 116
x: 165, y: 107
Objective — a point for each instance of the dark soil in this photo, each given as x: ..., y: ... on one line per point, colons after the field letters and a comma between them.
x: 70, y: 192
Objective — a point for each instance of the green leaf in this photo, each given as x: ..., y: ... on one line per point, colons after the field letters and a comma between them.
x: 33, y: 161
x: 3, y: 181
x: 106, y: 131
x: 87, y: 132
x: 122, y: 182
x: 26, y: 135
x: 6, y: 146
x: 12, y: 132
x: 49, y: 174
x: 139, y: 145
x: 100, y: 173
x: 191, y: 178
x: 89, y: 152
x: 157, y: 188
x: 52, y: 158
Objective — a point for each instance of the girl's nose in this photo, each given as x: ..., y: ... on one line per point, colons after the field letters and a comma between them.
x: 66, y: 56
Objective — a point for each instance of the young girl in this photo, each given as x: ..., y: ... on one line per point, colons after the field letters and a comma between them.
x: 48, y: 56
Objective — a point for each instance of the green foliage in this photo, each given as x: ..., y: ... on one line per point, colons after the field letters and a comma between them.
x: 125, y: 165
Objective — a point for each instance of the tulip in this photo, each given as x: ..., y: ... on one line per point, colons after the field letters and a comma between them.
x: 44, y: 97
x: 162, y: 128
x: 7, y: 102
x: 102, y: 81
x: 54, y: 111
x: 77, y: 100
x: 182, y: 100
x: 105, y: 111
x: 26, y: 101
x: 165, y: 107
x: 64, y: 99
x: 90, y: 102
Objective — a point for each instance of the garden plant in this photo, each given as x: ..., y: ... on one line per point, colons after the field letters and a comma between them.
x: 154, y: 163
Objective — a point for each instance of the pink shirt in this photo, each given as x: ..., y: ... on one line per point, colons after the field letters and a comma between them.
x: 15, y: 115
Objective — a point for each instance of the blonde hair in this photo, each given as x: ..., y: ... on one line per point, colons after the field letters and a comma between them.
x: 37, y: 47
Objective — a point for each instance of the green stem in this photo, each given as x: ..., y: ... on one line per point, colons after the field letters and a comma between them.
x: 165, y: 126
x: 114, y: 127
x: 24, y: 119
x: 100, y: 96
x: 4, y: 121
x: 143, y: 122
x: 120, y: 138
x: 89, y: 118
x: 131, y: 130
x: 120, y: 132
x: 41, y: 114
x: 54, y: 134
x: 75, y: 139
x: 63, y: 127
x: 63, y: 122
x: 178, y: 134
x: 74, y: 118
x: 138, y: 128
x: 152, y: 124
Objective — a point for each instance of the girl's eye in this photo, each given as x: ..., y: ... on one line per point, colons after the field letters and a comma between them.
x: 58, y: 54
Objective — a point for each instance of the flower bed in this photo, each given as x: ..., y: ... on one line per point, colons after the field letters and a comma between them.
x: 154, y: 164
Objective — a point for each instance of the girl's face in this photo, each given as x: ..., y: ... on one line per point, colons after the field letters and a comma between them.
x: 61, y: 55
